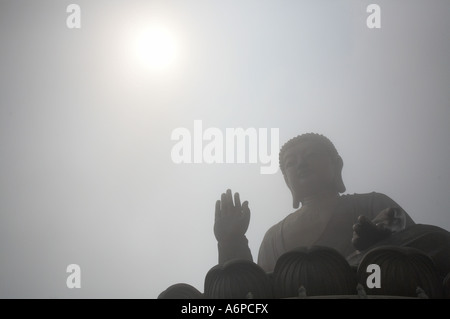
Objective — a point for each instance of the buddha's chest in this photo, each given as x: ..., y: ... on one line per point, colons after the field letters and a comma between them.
x: 305, y: 227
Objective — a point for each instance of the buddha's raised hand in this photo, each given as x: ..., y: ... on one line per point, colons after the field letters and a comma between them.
x: 231, y: 219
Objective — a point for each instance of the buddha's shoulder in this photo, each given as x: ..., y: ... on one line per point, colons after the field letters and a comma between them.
x: 365, y: 195
x: 364, y: 199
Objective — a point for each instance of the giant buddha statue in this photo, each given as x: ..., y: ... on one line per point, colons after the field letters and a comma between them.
x: 351, y: 224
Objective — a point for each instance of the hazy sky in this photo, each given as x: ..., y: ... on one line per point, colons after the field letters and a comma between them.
x: 86, y: 174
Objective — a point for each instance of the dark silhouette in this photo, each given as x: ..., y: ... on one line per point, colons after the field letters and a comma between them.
x: 324, y: 248
x: 403, y: 271
x: 237, y: 279
x: 181, y: 291
x: 318, y: 271
x: 350, y: 224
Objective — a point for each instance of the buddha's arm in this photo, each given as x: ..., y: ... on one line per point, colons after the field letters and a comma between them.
x: 230, y: 225
x: 234, y: 249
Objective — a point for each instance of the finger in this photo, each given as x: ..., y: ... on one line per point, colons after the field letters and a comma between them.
x: 229, y: 199
x: 362, y: 219
x: 223, y: 204
x: 229, y: 196
x: 217, y: 212
x: 245, y: 206
x: 246, y: 210
x: 237, y: 201
x: 357, y: 228
x: 365, y: 223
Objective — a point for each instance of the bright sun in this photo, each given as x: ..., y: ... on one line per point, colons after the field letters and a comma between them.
x: 156, y: 48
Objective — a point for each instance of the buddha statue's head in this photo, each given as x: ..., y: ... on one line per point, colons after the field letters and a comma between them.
x: 311, y: 167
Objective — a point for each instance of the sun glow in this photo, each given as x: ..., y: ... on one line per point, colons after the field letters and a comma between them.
x: 157, y: 48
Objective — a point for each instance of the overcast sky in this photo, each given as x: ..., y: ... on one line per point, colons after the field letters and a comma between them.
x: 86, y: 174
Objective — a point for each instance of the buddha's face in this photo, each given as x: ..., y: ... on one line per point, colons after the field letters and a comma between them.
x: 309, y: 170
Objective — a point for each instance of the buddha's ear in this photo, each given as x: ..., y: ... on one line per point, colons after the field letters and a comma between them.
x: 339, y: 183
x: 295, y: 199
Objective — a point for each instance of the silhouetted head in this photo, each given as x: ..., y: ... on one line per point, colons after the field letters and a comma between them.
x: 311, y: 166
